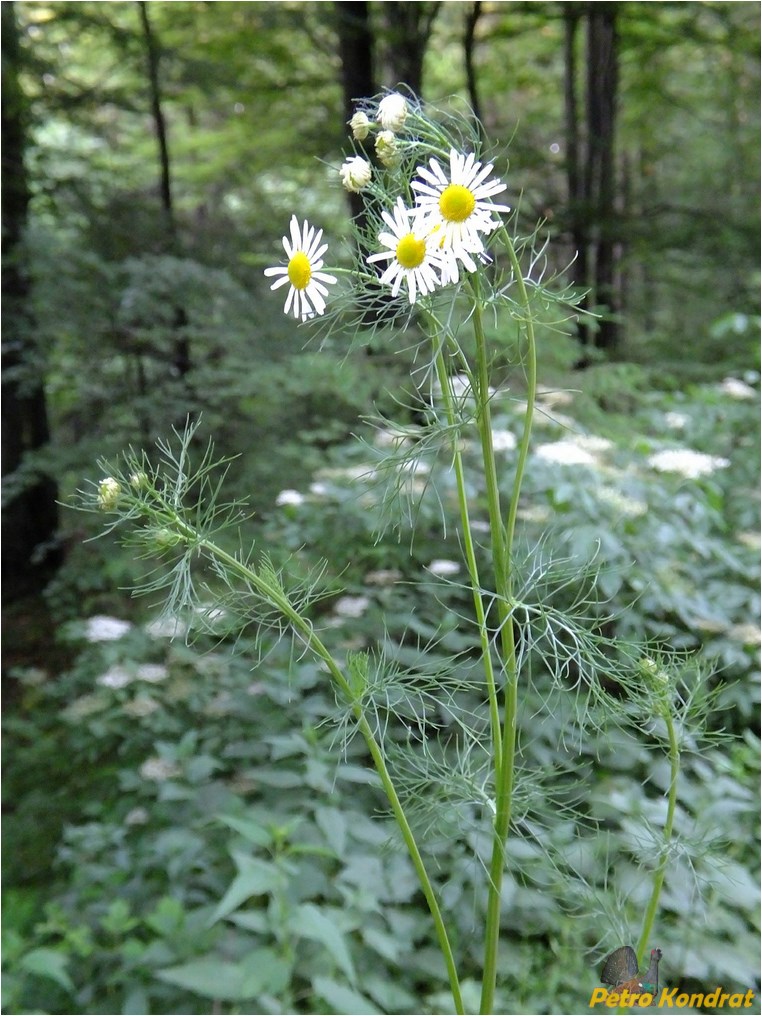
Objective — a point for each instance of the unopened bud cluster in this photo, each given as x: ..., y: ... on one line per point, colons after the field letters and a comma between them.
x: 356, y: 173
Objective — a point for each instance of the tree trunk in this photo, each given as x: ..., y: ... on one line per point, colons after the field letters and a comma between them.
x: 181, y: 360
x: 407, y: 28
x: 601, y: 99
x: 30, y: 515
x: 469, y: 38
x: 578, y: 208
x: 356, y: 52
x: 590, y: 168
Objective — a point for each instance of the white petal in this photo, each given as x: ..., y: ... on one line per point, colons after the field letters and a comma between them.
x: 385, y: 254
x: 280, y: 282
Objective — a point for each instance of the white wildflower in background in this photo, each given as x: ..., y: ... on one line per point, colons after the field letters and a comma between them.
x: 305, y: 259
x: 538, y: 513
x: 503, y: 440
x: 387, y: 149
x: 566, y: 453
x: 152, y: 672
x: 140, y: 706
x: 105, y: 629
x: 137, y: 816
x: 457, y: 207
x: 686, y: 462
x: 289, y: 497
x: 443, y: 567
x: 550, y: 397
x: 383, y: 577
x: 356, y: 174
x: 109, y: 491
x: 392, y: 112
x: 409, y: 252
x: 416, y: 467
x: 749, y: 634
x: 158, y: 769
x: 737, y: 389
x: 84, y: 706
x: 677, y: 421
x: 621, y: 503
x: 360, y: 125
x: 593, y: 442
x: 115, y: 677
x: 351, y: 606
x: 167, y: 627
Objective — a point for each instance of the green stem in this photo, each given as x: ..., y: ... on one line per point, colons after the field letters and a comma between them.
x: 653, y: 903
x: 306, y: 631
x: 470, y: 554
x: 484, y: 423
x: 504, y: 583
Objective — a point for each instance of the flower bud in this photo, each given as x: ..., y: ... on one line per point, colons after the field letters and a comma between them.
x: 139, y: 480
x: 109, y: 491
x: 387, y: 149
x: 360, y: 125
x: 392, y: 111
x: 355, y: 174
x: 165, y: 538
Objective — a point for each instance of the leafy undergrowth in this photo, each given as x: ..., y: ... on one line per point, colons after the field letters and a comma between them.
x: 222, y: 841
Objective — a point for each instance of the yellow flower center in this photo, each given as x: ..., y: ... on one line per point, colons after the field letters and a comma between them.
x: 411, y: 251
x: 299, y: 270
x: 456, y: 203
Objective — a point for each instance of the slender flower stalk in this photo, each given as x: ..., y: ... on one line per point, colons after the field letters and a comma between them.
x: 665, y: 710
x: 503, y: 552
x: 470, y: 554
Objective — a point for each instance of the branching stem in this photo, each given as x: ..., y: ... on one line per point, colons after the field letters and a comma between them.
x: 304, y: 629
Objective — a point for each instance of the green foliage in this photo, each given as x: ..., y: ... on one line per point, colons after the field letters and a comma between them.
x: 217, y: 830
x: 210, y: 850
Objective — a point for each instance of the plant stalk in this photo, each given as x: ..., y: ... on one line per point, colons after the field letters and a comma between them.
x: 470, y: 554
x: 653, y: 903
x: 504, y: 583
x: 305, y: 630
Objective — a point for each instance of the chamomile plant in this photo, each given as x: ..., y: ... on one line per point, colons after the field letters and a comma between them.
x: 438, y: 254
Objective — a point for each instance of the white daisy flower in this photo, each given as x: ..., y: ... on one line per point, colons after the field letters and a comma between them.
x: 458, y: 208
x: 410, y: 252
x: 305, y: 259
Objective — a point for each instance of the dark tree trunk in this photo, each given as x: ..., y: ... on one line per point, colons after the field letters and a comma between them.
x: 590, y: 167
x: 407, y: 28
x: 30, y: 516
x: 181, y: 359
x: 469, y: 39
x: 356, y: 52
x: 601, y: 98
x: 578, y: 209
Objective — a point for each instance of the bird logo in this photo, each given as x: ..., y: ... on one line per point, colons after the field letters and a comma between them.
x: 621, y: 971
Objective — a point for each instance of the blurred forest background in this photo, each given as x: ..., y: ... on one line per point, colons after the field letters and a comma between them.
x: 152, y: 156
